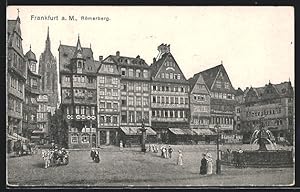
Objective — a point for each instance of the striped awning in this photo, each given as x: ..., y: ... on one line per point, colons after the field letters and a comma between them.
x: 181, y: 131
x: 204, y: 131
x: 137, y: 131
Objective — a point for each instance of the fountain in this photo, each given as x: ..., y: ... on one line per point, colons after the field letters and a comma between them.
x: 261, y: 157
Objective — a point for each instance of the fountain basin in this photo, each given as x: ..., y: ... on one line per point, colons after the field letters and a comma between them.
x: 270, y: 158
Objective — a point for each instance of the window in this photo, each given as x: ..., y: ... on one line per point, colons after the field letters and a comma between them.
x: 79, y: 64
x: 138, y: 73
x: 108, y: 119
x: 101, y: 79
x: 123, y: 71
x: 77, y: 109
x: 123, y: 102
x: 67, y: 78
x: 115, y: 119
x: 82, y: 110
x: 101, y: 91
x: 226, y: 85
x: 146, y: 116
x: 87, y: 110
x: 92, y: 110
x: 167, y: 76
x: 115, y: 92
x: 162, y: 99
x: 171, y: 76
x: 123, y: 87
x: 130, y: 87
x: 85, y: 138
x: 102, y: 119
x: 114, y: 80
x: 10, y: 104
x: 115, y: 105
x: 108, y: 105
x: 138, y: 87
x: 181, y: 100
x: 138, y: 101
x: 108, y: 80
x: 131, y: 117
x: 145, y: 73
x: 74, y: 138
x: 130, y: 101
x: 20, y: 87
x: 153, y: 99
x: 162, y: 75
x: 176, y: 100
x: 218, y: 84
x: 186, y: 101
x: 172, y: 100
x: 130, y: 73
x: 108, y: 92
x: 154, y: 88
x: 145, y: 102
x: 145, y: 87
x: 82, y: 79
x: 90, y: 79
x: 167, y: 100
x: 123, y: 117
x: 139, y: 116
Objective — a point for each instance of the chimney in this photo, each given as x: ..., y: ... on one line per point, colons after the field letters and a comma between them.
x: 100, y: 58
x: 118, y: 53
x: 138, y: 57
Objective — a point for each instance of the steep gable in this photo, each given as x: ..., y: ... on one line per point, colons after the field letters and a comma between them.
x: 166, y: 69
x: 108, y: 68
x: 198, y: 85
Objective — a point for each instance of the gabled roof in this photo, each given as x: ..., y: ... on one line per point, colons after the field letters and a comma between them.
x: 157, y: 65
x: 210, y: 75
x: 66, y: 53
x: 239, y: 92
x: 193, y: 80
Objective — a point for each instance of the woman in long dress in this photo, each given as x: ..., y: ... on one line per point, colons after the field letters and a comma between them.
x: 179, y: 160
x: 203, y: 166
x: 209, y: 164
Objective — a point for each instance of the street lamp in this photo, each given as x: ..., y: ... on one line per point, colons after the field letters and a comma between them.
x: 218, y: 162
x: 143, y: 144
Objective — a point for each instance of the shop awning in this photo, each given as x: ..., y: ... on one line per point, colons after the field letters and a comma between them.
x: 204, y: 132
x: 180, y: 131
x: 137, y: 131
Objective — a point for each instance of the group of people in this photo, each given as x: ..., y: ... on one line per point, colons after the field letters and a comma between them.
x: 166, y: 152
x: 55, y: 155
x: 206, y: 166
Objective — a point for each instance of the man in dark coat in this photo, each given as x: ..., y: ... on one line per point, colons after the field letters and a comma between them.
x: 203, y: 167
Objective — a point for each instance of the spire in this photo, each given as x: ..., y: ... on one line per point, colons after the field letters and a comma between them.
x: 48, y: 43
x: 18, y: 18
x: 221, y: 62
x: 78, y: 51
x: 30, y: 46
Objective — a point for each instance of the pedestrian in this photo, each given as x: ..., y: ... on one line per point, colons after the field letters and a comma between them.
x: 203, y: 166
x: 170, y: 150
x: 164, y: 152
x: 209, y: 164
x: 121, y: 145
x: 92, y: 154
x: 180, y: 158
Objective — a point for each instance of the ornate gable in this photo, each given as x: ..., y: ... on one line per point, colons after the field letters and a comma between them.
x: 251, y: 96
x: 199, y: 86
x: 222, y: 82
x: 109, y: 59
x: 169, y: 70
x: 270, y: 92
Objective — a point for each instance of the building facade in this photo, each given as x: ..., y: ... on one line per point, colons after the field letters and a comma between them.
x: 239, y: 98
x: 32, y: 91
x: 16, y: 78
x: 273, y: 102
x: 199, y: 103
x: 78, y: 80
x: 135, y: 92
x: 108, y: 102
x: 169, y: 94
x: 222, y: 99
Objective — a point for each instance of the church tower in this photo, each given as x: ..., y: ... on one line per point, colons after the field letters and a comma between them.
x: 48, y: 71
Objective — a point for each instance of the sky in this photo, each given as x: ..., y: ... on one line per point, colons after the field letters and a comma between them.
x: 255, y: 44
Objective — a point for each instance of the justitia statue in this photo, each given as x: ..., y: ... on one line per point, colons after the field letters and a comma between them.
x: 262, y: 136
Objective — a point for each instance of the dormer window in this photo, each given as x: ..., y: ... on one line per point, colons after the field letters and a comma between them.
x: 79, y: 64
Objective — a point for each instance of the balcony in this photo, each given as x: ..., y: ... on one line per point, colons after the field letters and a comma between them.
x: 81, y: 117
x: 169, y: 119
x: 168, y: 93
x: 16, y: 93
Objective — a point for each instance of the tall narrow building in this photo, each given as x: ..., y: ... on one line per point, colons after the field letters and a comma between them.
x: 16, y: 78
x: 78, y: 80
x: 169, y: 94
x: 48, y: 98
